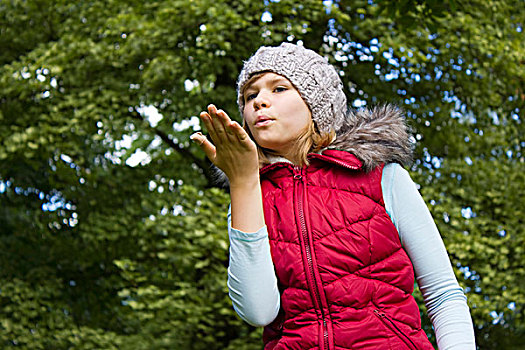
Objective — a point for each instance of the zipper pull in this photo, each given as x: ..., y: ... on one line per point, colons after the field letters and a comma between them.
x: 297, y: 173
x: 379, y: 313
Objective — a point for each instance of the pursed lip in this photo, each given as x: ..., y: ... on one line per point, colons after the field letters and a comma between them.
x: 262, y: 119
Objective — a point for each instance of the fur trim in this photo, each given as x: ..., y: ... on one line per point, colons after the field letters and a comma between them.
x: 375, y: 136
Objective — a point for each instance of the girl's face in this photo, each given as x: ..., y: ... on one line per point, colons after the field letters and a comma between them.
x: 275, y: 112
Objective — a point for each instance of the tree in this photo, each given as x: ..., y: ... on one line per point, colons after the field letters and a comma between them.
x: 111, y: 232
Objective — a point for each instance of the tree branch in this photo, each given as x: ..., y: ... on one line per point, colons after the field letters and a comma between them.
x: 201, y: 163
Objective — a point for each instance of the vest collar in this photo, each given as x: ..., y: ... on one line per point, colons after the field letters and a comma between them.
x: 333, y: 156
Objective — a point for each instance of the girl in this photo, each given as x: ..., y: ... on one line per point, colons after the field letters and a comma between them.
x: 326, y: 227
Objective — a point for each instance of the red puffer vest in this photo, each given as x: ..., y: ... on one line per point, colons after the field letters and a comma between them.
x: 345, y: 280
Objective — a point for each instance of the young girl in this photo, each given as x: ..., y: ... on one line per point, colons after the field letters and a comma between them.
x: 326, y: 227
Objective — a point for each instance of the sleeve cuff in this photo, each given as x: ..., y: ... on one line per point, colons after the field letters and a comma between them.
x: 262, y: 233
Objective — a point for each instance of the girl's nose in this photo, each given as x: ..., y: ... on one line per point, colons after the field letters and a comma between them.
x: 261, y: 100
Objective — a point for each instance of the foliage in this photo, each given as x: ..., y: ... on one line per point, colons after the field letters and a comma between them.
x: 111, y: 234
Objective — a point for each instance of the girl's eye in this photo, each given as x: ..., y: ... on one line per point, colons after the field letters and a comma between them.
x: 280, y: 89
x: 250, y: 97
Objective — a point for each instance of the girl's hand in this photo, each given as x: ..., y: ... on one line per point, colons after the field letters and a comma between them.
x: 232, y: 150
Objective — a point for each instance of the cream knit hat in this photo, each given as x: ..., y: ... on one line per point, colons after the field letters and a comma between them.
x: 316, y: 80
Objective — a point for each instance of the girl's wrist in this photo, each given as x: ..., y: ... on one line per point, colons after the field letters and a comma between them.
x: 245, y: 182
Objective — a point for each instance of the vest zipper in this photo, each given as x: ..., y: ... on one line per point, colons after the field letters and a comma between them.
x: 392, y: 326
x: 334, y: 161
x: 300, y: 192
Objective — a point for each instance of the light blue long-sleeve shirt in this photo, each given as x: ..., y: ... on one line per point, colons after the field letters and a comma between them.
x: 253, y: 285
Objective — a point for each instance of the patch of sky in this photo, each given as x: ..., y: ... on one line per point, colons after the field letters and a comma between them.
x: 4, y: 186
x: 495, y: 118
x: 436, y: 162
x: 438, y: 72
x: 41, y: 74
x: 142, y: 157
x: 467, y: 213
x: 266, y: 34
x: 55, y: 202
x: 126, y: 141
x: 448, y: 96
x: 67, y: 159
x: 358, y: 103
x: 151, y: 114
x: 189, y: 85
x: 185, y: 124
x: 412, y: 100
x: 468, y: 160
x: 364, y: 57
x: 468, y: 274
x: 466, y: 271
x: 515, y: 117
x: 25, y: 74
x: 331, y: 40
x: 266, y: 17
x: 393, y: 74
x: 388, y: 55
x: 328, y: 6
x: 426, y: 154
x: 152, y: 185
x: 178, y: 210
x: 497, y: 317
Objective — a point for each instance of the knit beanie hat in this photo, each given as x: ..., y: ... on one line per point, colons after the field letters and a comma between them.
x: 316, y: 80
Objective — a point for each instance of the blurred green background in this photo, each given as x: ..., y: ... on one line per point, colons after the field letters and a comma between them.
x: 112, y: 235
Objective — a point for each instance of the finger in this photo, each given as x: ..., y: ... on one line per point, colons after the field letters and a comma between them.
x: 206, y: 120
x: 208, y: 123
x: 208, y: 148
x: 239, y: 132
x: 220, y: 123
x: 225, y: 119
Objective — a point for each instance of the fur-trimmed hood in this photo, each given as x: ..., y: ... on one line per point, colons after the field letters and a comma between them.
x: 375, y: 136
